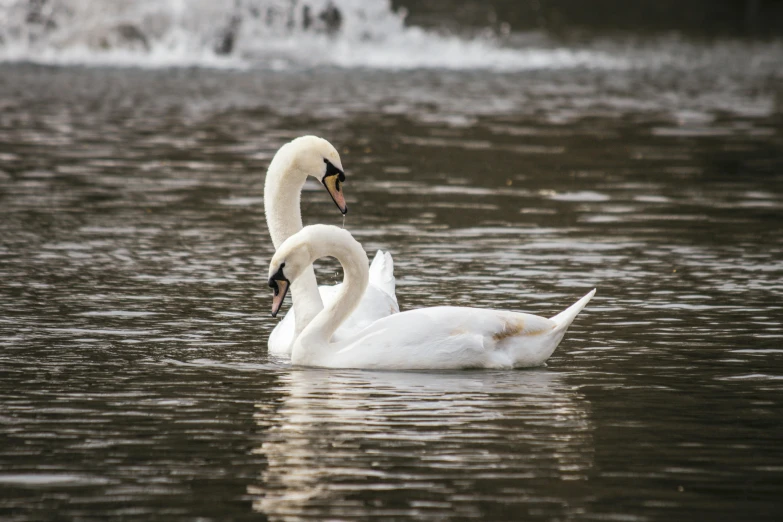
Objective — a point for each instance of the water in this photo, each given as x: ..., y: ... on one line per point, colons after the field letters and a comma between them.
x: 134, y: 308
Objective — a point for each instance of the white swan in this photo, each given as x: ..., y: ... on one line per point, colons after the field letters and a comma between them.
x: 292, y: 164
x: 443, y: 337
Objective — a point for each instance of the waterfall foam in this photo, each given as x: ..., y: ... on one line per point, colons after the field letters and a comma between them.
x: 255, y: 33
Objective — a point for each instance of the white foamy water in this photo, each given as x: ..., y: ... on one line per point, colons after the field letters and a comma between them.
x: 256, y: 33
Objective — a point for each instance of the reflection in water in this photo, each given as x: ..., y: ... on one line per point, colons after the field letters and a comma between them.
x: 351, y: 443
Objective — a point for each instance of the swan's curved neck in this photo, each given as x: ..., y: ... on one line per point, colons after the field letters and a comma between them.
x: 282, y: 194
x: 314, y: 341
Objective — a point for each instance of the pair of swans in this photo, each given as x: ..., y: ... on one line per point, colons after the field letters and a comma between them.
x: 361, y: 325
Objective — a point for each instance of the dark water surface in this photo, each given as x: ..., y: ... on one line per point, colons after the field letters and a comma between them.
x: 134, y: 312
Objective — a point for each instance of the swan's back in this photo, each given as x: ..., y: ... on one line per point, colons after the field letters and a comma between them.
x: 447, y: 337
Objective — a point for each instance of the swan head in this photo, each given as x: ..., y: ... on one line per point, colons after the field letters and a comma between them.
x: 299, y: 251
x: 279, y: 284
x: 316, y: 157
x: 288, y: 263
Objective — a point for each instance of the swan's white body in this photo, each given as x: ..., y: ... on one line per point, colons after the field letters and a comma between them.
x: 444, y: 337
x: 292, y: 164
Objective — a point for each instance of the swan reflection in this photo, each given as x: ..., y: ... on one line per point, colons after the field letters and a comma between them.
x: 348, y: 443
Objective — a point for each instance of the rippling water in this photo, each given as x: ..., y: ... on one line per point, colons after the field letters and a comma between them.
x: 134, y: 310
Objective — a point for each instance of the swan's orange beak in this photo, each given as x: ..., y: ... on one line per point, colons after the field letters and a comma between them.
x: 332, y: 182
x: 280, y: 288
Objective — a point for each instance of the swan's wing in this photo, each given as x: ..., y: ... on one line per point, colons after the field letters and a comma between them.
x: 375, y: 304
x: 448, y: 337
x: 328, y: 292
x: 382, y: 273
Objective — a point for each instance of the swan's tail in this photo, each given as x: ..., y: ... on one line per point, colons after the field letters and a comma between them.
x: 566, y: 317
x: 382, y: 273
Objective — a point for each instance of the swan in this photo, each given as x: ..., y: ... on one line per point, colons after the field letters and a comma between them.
x: 292, y: 164
x: 443, y: 337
